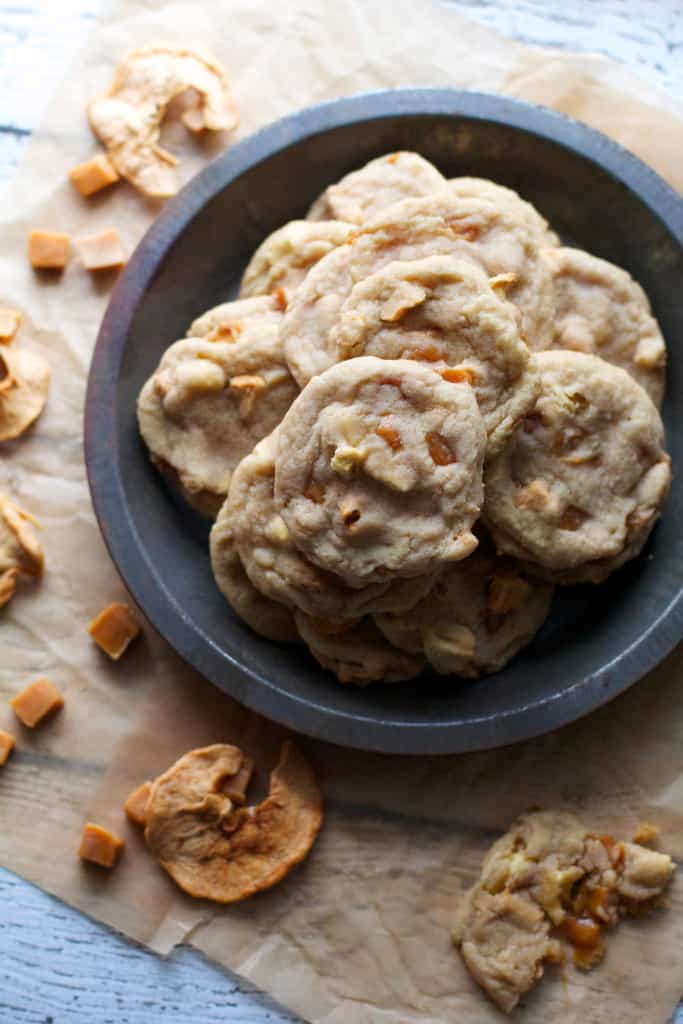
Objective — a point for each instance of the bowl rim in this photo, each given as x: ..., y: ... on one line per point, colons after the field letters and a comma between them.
x: 163, y: 609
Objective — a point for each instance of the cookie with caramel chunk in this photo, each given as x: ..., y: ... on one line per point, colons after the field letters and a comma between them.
x: 378, y: 470
x: 578, y: 489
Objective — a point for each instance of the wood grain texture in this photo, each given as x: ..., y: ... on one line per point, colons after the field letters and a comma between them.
x: 57, y: 967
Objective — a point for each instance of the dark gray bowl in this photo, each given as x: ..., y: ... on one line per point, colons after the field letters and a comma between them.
x: 598, y: 641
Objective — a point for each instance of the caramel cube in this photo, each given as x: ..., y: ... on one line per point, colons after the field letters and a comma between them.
x: 507, y: 594
x: 93, y: 175
x: 135, y: 806
x: 49, y: 250
x: 101, y: 252
x: 9, y: 323
x: 100, y: 846
x: 7, y: 742
x: 114, y: 629
x: 39, y: 699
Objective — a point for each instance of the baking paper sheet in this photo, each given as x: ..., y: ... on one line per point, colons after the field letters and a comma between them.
x: 360, y: 933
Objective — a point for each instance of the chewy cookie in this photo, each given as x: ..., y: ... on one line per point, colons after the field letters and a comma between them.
x: 578, y: 489
x: 498, y: 239
x: 547, y: 879
x: 286, y: 256
x: 477, y: 616
x: 379, y: 184
x: 357, y: 652
x: 378, y: 472
x: 211, y: 398
x: 600, y: 309
x: 250, y: 524
x: 442, y: 310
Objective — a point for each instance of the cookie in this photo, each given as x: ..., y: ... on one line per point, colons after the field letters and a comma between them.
x: 285, y: 257
x: 578, y: 489
x: 209, y: 401
x: 443, y: 311
x: 477, y: 616
x: 382, y: 182
x: 496, y: 238
x: 274, y: 565
x: 267, y: 617
x: 357, y: 652
x: 548, y: 878
x: 378, y: 471
x: 600, y: 309
x: 482, y: 188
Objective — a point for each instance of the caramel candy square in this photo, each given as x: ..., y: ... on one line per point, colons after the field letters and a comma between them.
x: 49, y: 250
x: 103, y: 251
x: 40, y: 699
x: 93, y: 175
x: 114, y: 629
x: 99, y: 846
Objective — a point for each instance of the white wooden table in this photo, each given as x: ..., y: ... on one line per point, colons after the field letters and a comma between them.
x: 57, y: 967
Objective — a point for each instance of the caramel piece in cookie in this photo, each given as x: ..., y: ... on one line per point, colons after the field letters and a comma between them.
x: 577, y: 491
x: 600, y: 309
x: 378, y: 509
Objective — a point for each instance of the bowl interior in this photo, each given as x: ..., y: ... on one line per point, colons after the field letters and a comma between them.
x: 577, y: 660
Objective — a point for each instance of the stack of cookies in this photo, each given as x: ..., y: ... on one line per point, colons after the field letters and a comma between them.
x: 421, y: 414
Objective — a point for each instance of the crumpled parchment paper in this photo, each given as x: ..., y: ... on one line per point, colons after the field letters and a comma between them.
x: 360, y: 933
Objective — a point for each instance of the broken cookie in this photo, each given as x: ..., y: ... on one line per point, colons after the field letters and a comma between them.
x: 545, y: 880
